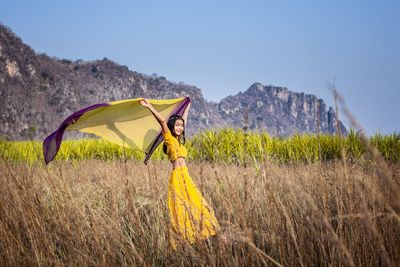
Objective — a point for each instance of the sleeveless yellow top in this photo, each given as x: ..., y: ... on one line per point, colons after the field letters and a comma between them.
x: 174, y: 148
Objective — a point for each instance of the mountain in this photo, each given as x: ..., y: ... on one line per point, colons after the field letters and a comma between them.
x: 279, y: 111
x: 37, y: 92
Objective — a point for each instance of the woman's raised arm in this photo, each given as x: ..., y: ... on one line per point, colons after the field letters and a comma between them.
x: 156, y: 114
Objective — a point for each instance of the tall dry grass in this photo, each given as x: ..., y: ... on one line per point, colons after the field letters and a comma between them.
x: 91, y: 213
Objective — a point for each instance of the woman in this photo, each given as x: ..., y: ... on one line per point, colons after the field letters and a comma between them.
x: 191, y: 218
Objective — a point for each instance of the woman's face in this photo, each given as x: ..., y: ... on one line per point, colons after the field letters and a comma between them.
x: 178, y: 127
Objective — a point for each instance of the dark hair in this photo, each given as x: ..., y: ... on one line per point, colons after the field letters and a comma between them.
x: 171, y: 125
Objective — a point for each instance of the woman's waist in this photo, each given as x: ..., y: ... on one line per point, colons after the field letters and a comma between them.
x: 178, y: 162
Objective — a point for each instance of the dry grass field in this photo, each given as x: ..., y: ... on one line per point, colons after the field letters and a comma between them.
x: 107, y: 213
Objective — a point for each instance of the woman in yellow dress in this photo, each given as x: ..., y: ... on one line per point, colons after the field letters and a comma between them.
x: 191, y: 217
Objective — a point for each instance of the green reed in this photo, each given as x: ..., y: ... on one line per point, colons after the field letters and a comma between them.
x: 225, y: 145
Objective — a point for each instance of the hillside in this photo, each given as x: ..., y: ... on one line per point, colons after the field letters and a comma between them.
x: 37, y: 92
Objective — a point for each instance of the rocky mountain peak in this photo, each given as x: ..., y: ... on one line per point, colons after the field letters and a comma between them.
x: 279, y: 111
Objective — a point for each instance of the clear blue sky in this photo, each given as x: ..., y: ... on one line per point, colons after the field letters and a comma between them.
x: 223, y: 47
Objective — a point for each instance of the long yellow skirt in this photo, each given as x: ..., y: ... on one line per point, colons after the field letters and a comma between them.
x: 191, y: 217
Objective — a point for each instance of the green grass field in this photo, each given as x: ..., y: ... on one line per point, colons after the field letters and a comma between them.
x: 224, y: 146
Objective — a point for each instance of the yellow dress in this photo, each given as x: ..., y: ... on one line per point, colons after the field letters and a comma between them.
x: 191, y: 217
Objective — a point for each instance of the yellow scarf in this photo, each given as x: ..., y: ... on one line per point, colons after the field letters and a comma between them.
x: 123, y: 122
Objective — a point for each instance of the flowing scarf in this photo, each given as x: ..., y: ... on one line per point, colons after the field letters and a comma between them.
x: 123, y: 122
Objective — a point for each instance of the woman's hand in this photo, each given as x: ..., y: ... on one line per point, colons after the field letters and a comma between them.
x: 144, y: 103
